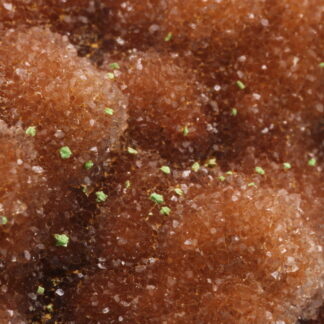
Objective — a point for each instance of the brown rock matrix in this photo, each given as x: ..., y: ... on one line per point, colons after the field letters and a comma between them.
x: 161, y: 161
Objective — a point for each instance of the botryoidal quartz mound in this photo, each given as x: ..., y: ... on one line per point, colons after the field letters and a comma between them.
x: 45, y: 85
x: 222, y: 251
x: 161, y: 161
x: 64, y: 117
x: 170, y: 115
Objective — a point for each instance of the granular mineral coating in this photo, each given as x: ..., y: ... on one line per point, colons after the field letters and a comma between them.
x: 170, y: 116
x: 245, y: 256
x: 23, y: 194
x: 47, y: 86
x: 77, y: 19
x: 161, y: 161
x: 148, y: 187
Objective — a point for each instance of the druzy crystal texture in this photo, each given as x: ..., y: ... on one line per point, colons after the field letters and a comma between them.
x: 204, y: 267
x: 45, y: 85
x: 170, y: 115
x: 161, y: 161
x: 21, y: 179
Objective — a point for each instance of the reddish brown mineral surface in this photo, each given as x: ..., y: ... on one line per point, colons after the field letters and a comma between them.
x: 161, y: 161
x: 21, y: 179
x: 172, y: 102
x: 45, y: 85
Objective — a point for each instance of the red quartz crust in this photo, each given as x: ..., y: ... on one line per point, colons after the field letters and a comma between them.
x: 172, y: 101
x: 238, y: 237
x: 63, y: 96
x: 21, y: 177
